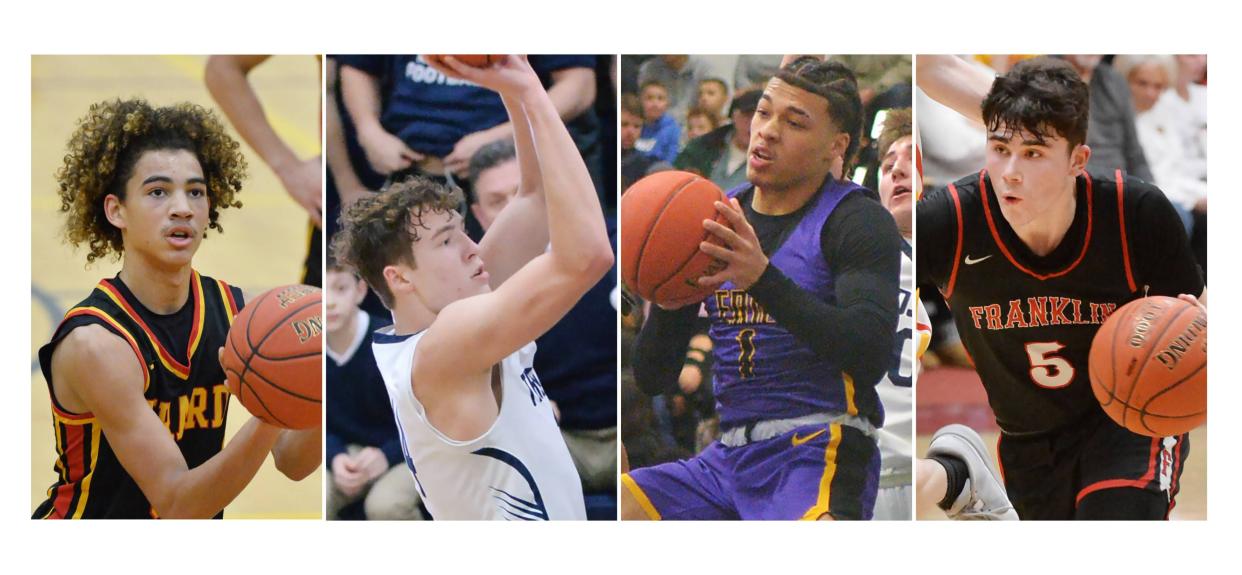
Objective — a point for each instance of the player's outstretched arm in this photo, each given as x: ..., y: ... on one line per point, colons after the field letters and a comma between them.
x: 538, y: 295
x: 520, y: 232
x: 112, y: 389
x: 227, y: 79
x: 954, y: 82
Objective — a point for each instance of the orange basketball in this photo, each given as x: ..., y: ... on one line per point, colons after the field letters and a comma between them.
x: 274, y: 357
x: 661, y: 228
x: 475, y: 60
x: 1148, y: 366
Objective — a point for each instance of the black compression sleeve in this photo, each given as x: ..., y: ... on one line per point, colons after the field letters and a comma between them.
x: 937, y: 237
x: 660, y: 349
x: 862, y: 247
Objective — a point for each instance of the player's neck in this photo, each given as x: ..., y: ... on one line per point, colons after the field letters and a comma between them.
x: 411, y: 317
x: 161, y: 290
x: 786, y: 201
x: 339, y: 339
x: 1042, y: 235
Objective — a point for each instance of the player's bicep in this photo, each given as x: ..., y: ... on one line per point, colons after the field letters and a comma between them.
x: 102, y: 370
x: 474, y: 333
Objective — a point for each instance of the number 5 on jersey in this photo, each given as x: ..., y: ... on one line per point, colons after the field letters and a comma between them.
x: 1047, y: 368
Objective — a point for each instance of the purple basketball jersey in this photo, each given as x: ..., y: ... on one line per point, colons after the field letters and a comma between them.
x: 762, y: 372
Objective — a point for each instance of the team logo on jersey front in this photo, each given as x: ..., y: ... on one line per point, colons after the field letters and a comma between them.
x: 1039, y: 312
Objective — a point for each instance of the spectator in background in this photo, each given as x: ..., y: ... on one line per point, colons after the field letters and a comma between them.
x: 494, y: 175
x: 680, y: 75
x: 411, y: 119
x: 699, y: 122
x: 1111, y: 134
x: 1160, y: 130
x: 754, y: 70
x: 877, y: 74
x: 720, y: 155
x: 364, y: 454
x: 1188, y: 99
x: 713, y: 95
x: 661, y: 136
x: 635, y: 165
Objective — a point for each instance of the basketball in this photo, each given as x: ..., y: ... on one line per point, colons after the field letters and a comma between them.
x: 661, y: 228
x: 474, y: 60
x: 1148, y: 366
x: 274, y: 357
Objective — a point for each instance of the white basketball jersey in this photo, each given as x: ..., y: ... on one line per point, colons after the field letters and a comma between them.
x: 895, y: 389
x: 519, y: 469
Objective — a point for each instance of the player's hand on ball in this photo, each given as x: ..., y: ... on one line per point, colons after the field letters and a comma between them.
x: 742, y: 252
x: 511, y: 76
x: 1200, y: 301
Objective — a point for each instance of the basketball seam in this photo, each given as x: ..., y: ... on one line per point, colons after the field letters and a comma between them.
x: 246, y: 368
x: 1143, y: 365
x: 706, y: 236
x: 638, y: 264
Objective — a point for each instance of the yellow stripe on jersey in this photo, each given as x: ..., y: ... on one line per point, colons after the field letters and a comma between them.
x: 90, y: 473
x: 822, y: 504
x: 643, y: 501
x: 850, y: 407
x: 225, y: 298
x: 133, y: 343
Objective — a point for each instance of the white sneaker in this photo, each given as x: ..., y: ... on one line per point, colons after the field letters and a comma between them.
x: 983, y: 498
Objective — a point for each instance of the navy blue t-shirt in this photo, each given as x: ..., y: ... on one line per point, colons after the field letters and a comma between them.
x: 429, y: 111
x: 577, y: 359
x: 358, y: 408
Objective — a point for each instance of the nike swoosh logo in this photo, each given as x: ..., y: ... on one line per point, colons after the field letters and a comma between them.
x: 800, y: 440
x: 971, y: 262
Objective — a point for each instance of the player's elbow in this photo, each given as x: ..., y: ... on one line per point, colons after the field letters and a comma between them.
x: 294, y: 469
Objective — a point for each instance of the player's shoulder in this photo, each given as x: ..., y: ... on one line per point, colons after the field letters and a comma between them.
x: 91, y: 348
x: 1138, y: 195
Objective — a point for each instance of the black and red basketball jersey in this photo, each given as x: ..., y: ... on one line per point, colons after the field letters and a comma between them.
x: 183, y: 383
x: 1028, y: 321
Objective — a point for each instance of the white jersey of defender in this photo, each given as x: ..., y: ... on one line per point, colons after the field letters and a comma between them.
x: 895, y: 389
x: 520, y: 469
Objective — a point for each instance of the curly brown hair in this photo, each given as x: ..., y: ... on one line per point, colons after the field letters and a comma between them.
x: 112, y: 137
x: 379, y: 230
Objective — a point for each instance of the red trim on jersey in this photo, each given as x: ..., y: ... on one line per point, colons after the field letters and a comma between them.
x: 133, y: 344
x: 179, y: 369
x: 1139, y: 483
x: 987, y: 212
x: 72, y: 441
x: 1125, y: 244
x: 957, y: 253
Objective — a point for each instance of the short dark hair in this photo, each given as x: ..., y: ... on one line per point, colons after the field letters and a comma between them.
x: 378, y: 230
x: 630, y: 103
x: 836, y: 83
x: 1043, y: 96
x: 650, y: 83
x: 898, y: 124
x: 489, y: 156
x: 715, y: 80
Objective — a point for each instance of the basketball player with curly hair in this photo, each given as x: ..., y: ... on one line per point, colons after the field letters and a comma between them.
x: 802, y: 326
x: 477, y: 428
x: 139, y: 402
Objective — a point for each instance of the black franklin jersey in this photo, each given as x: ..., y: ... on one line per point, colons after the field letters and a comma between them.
x: 184, y: 385
x: 1028, y: 321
